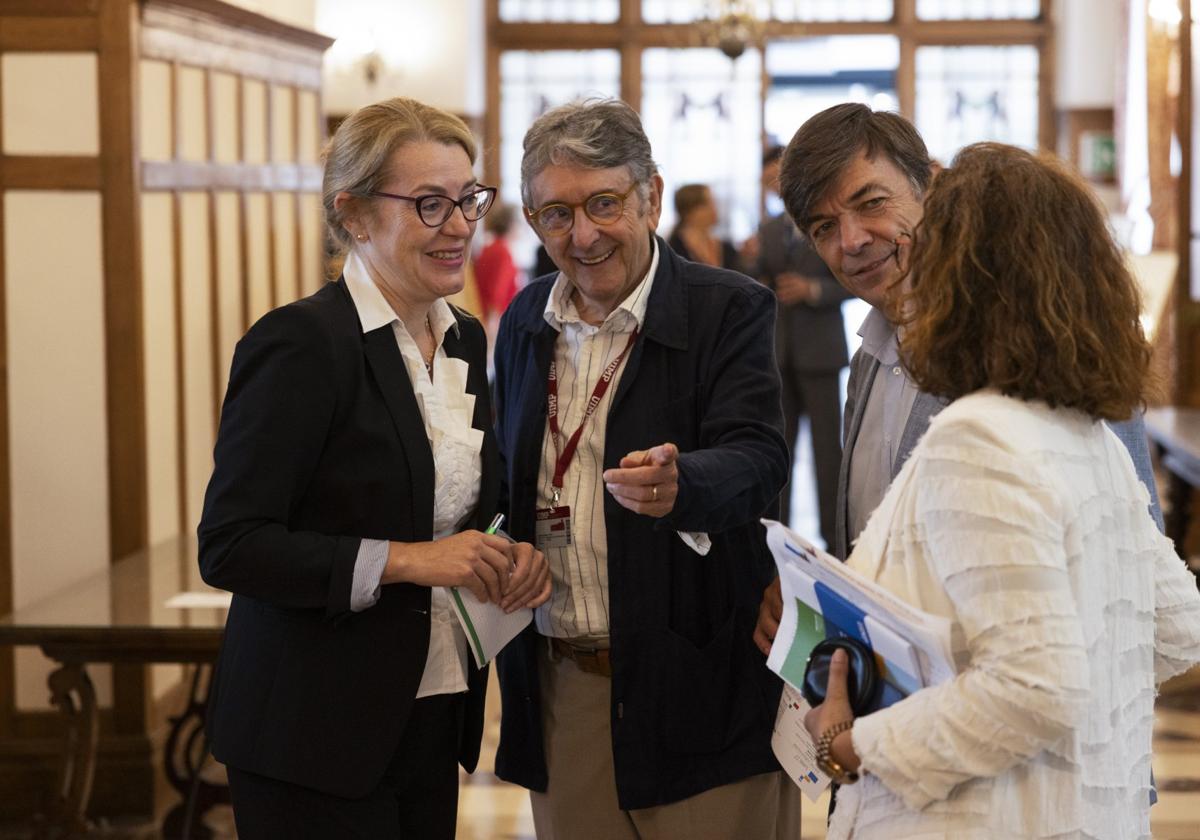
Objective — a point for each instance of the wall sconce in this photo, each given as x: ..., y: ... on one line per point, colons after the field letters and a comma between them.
x: 372, y: 66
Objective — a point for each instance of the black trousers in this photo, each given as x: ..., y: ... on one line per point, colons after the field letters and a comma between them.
x: 417, y: 799
x: 817, y: 395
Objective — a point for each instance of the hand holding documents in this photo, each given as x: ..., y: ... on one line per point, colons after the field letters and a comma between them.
x: 488, y: 627
x: 823, y: 598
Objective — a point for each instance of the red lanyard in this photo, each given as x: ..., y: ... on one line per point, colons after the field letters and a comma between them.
x: 565, y: 454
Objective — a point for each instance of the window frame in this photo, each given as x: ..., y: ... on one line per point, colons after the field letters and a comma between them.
x: 630, y: 35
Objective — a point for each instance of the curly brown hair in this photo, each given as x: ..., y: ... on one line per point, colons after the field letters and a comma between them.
x: 1016, y: 283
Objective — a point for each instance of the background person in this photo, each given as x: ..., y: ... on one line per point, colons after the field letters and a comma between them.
x: 495, y: 271
x: 635, y: 707
x: 355, y: 468
x: 692, y: 237
x: 1021, y: 520
x: 810, y: 345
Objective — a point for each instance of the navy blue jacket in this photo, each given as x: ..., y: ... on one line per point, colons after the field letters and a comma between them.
x: 693, y: 703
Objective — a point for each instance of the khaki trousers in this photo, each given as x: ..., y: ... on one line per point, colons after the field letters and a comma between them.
x: 580, y: 802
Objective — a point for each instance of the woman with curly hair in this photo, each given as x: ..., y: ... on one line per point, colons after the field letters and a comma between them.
x: 1020, y: 518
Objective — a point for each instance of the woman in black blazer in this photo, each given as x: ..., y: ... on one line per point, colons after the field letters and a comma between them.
x: 355, y: 472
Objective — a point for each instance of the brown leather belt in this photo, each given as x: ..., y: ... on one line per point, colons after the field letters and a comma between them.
x: 588, y: 660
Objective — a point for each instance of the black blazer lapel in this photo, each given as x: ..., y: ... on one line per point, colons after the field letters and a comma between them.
x: 387, y: 364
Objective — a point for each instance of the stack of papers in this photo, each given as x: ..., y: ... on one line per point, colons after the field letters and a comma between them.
x: 488, y: 627
x: 823, y: 598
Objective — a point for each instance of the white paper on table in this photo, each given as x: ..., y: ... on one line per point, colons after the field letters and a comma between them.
x: 200, y: 600
x: 793, y: 745
x: 488, y: 628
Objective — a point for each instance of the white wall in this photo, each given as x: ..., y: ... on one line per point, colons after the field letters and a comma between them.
x: 433, y: 51
x: 1088, y: 37
x: 300, y: 13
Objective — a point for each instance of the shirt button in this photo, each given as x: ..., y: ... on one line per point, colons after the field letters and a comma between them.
x: 896, y: 370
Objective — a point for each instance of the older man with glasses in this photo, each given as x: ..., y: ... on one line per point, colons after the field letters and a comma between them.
x: 638, y: 414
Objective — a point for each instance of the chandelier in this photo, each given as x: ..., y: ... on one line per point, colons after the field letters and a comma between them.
x: 735, y: 25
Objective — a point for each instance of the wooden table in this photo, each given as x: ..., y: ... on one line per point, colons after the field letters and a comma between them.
x: 1176, y: 432
x: 119, y: 615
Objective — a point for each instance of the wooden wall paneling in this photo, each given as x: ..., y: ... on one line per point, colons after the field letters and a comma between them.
x: 177, y: 279
x: 905, y: 14
x: 162, y: 385
x: 50, y: 172
x: 269, y: 135
x: 51, y: 8
x: 230, y: 316
x: 7, y: 672
x: 197, y: 326
x: 65, y: 124
x: 49, y: 34
x: 214, y: 284
x: 243, y: 259
x: 258, y: 253
x: 631, y: 53
x: 181, y: 423
x: 1186, y: 310
x: 123, y: 272
x: 302, y: 276
x: 491, y: 118
x: 232, y: 39
x: 1047, y: 81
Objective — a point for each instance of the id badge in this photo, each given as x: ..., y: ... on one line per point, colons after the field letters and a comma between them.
x: 552, y: 528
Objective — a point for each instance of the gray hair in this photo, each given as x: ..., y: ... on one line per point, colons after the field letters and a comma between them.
x: 593, y: 133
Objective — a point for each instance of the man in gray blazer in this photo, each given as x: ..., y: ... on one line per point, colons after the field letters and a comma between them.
x: 854, y: 179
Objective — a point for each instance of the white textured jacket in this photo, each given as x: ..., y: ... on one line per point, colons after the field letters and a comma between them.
x: 1028, y: 528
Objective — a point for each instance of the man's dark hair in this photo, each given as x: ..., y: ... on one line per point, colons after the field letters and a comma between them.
x: 826, y: 144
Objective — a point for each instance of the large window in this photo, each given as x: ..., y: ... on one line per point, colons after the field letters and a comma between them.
x: 703, y: 116
x: 968, y: 94
x: 978, y: 9
x: 962, y: 70
x: 559, y: 11
x: 688, y: 11
x: 531, y: 84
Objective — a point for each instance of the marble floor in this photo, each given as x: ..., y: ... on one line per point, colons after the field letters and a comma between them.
x: 490, y: 809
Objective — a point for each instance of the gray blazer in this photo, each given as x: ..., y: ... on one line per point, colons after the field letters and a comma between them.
x: 862, y: 375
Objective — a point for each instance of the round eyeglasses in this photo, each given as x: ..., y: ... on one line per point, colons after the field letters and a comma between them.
x: 558, y: 218
x: 434, y: 210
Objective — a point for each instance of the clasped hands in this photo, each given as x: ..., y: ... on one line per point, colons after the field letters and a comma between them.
x: 646, y: 481
x: 511, y: 575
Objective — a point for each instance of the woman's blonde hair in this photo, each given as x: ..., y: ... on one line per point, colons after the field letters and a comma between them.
x: 357, y: 156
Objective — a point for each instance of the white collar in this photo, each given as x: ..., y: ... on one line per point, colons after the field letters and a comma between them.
x: 373, y: 309
x: 560, y: 309
x: 879, y: 337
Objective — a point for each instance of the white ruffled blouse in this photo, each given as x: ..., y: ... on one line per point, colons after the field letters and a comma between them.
x: 447, y: 410
x: 1028, y: 529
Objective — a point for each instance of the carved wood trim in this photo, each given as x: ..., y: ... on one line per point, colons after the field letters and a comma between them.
x: 50, y: 172
x: 49, y: 34
x: 252, y: 177
x: 121, y: 220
